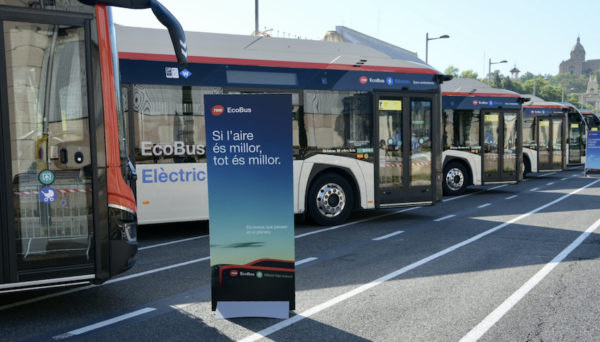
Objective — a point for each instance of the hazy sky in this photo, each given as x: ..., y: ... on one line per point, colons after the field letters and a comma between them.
x: 536, y: 35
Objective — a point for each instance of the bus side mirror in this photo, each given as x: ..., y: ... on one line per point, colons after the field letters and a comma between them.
x: 162, y: 14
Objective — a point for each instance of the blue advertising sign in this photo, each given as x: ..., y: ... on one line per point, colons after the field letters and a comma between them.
x: 251, y: 204
x: 592, y: 154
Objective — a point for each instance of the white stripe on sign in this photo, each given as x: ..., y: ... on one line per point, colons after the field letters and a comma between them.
x: 318, y: 308
x: 103, y: 323
x: 304, y: 261
x: 484, y: 205
x: 388, y: 235
x: 511, y: 301
x: 511, y: 197
x: 444, y: 218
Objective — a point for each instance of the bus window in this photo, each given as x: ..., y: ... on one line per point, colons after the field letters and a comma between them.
x: 337, y: 119
x: 420, y: 142
x: 169, y: 123
x: 461, y: 129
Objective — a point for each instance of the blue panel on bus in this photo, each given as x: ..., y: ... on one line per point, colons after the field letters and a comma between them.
x: 479, y: 102
x: 242, y: 76
x: 531, y: 111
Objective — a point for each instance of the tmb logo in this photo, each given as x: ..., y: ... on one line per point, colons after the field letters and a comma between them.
x: 363, y: 80
x: 475, y: 102
x: 217, y: 110
x: 233, y: 273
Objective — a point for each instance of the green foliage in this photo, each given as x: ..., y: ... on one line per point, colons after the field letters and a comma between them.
x: 451, y: 70
x: 468, y: 74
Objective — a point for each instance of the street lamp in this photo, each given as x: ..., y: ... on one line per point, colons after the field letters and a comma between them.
x: 562, y: 95
x: 490, y: 70
x: 427, y: 39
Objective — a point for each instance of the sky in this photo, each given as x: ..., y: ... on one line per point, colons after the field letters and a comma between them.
x: 534, y: 35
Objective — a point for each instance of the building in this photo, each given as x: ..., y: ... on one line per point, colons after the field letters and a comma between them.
x: 592, y: 96
x: 577, y: 65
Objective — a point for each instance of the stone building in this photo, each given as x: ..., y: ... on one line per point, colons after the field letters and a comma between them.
x: 577, y: 65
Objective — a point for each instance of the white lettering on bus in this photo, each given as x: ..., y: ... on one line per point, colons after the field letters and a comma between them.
x: 239, y: 110
x: 180, y: 176
x: 178, y: 148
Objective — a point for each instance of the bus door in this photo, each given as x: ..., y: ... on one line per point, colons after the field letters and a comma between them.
x: 576, y: 147
x: 550, y: 142
x: 403, y: 166
x: 500, y: 142
x: 46, y: 223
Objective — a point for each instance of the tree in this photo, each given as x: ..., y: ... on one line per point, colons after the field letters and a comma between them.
x: 469, y: 74
x: 451, y: 70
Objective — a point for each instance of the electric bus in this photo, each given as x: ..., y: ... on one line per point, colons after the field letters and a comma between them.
x: 482, y: 142
x: 68, y: 215
x: 553, y: 135
x: 365, y: 125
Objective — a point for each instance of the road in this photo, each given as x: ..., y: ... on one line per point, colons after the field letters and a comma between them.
x: 501, y: 263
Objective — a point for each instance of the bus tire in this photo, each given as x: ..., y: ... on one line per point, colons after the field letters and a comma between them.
x: 526, y: 167
x: 330, y: 200
x: 455, y: 179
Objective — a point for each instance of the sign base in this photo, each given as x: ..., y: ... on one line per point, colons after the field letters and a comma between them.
x: 269, y: 309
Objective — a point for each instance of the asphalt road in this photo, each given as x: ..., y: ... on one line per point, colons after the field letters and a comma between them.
x: 501, y: 263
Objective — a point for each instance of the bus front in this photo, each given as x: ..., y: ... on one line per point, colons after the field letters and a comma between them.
x: 67, y: 215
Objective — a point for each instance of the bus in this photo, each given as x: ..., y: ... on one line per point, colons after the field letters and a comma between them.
x: 553, y: 135
x: 592, y: 120
x: 365, y: 125
x: 68, y: 215
x: 482, y: 136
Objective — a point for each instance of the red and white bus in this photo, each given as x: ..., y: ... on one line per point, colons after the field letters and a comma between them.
x: 68, y: 214
x: 365, y: 125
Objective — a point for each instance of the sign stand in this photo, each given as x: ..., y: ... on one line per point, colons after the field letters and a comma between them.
x: 251, y: 204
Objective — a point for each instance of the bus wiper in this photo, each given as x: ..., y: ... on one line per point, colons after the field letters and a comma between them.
x: 162, y: 14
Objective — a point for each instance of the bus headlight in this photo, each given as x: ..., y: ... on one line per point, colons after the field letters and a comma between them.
x: 122, y: 225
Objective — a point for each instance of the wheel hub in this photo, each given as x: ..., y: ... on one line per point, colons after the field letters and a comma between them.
x: 455, y: 179
x: 331, y: 200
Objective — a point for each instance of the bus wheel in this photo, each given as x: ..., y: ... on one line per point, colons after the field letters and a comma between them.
x: 330, y: 200
x: 455, y: 179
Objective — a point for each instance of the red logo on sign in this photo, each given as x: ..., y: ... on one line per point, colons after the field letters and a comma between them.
x: 474, y: 102
x: 233, y: 273
x: 217, y: 110
x: 363, y: 80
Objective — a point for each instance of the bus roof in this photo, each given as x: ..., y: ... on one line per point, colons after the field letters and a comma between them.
x: 218, y: 48
x: 473, y: 88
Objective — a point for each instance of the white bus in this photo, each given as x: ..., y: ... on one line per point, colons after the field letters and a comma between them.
x: 553, y: 135
x: 482, y: 141
x: 364, y: 124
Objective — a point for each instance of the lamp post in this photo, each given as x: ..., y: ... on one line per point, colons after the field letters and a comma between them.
x: 427, y: 39
x: 490, y: 69
x: 562, y: 95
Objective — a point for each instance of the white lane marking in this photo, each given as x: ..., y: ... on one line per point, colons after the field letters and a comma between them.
x: 511, y: 301
x: 534, y: 189
x: 388, y: 235
x: 575, y: 175
x: 103, y: 324
x: 443, y: 218
x: 484, y: 205
x: 318, y: 308
x: 353, y: 222
x: 546, y: 174
x: 172, y: 242
x: 562, y: 179
x: 473, y: 193
x: 550, y: 183
x: 511, y: 197
x: 304, y: 261
x: 111, y: 281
